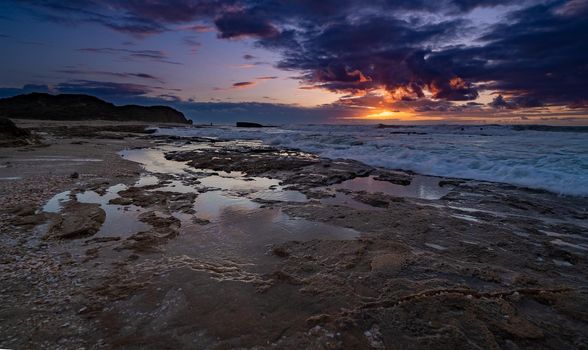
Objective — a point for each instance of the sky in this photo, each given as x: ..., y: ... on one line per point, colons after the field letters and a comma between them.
x: 308, y: 61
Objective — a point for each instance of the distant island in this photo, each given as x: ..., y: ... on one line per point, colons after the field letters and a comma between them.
x: 83, y: 107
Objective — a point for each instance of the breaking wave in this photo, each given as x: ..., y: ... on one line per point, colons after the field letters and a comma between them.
x: 529, y: 157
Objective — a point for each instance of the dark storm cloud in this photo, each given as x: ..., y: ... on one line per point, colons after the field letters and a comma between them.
x: 377, y: 52
x: 238, y: 25
x: 537, y: 57
x: 416, y: 50
x: 238, y: 17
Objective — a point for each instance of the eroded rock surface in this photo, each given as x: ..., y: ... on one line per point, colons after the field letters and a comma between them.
x: 78, y: 220
x: 486, y: 266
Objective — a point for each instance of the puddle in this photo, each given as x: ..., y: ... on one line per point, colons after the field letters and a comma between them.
x: 280, y: 195
x: 228, y: 223
x: 242, y: 230
x: 120, y: 220
x: 423, y: 187
x: 153, y: 160
x: 236, y: 220
x: 216, y: 205
x: 190, y: 180
x: 238, y: 183
x: 147, y: 180
x: 348, y: 201
x: 10, y: 178
x: 54, y: 204
x: 93, y: 197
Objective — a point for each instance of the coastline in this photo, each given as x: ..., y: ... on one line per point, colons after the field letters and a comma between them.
x: 293, y: 257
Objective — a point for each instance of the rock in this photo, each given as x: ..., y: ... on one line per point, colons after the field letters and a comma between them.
x: 24, y: 209
x: 248, y: 125
x: 78, y: 220
x: 395, y: 178
x: 75, y: 175
x: 377, y: 200
x: 163, y: 229
x: 30, y: 220
x: 13, y: 136
x: 280, y: 251
x: 121, y: 201
x: 447, y: 182
x: 200, y: 221
x: 391, y: 263
x: 102, y: 240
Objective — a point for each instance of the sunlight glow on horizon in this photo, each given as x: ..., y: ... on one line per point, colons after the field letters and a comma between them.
x: 387, y: 114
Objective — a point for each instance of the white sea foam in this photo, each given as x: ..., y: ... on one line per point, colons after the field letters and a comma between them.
x: 555, y: 161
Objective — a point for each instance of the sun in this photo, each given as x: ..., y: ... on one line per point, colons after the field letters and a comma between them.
x: 387, y: 114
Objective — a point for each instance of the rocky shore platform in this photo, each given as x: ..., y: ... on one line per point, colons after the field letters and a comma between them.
x: 112, y: 236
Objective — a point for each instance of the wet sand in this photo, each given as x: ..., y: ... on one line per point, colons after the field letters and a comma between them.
x: 128, y: 240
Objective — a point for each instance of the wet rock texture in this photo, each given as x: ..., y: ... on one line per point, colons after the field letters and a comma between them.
x: 302, y: 170
x: 488, y: 266
x: 79, y: 220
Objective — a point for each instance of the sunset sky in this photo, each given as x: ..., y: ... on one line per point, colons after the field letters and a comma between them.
x: 308, y: 61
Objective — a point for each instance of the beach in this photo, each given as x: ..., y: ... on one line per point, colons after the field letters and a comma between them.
x: 159, y: 236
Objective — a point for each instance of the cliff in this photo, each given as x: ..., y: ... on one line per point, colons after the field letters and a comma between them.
x: 83, y: 107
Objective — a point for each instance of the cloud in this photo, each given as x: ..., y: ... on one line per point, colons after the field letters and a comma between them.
x: 243, y: 84
x: 267, y: 113
x: 9, y: 91
x: 104, y: 89
x: 128, y: 54
x: 535, y: 57
x: 111, y: 74
x: 193, y: 44
x: 199, y: 28
x: 240, y: 25
x: 247, y: 84
x: 415, y: 53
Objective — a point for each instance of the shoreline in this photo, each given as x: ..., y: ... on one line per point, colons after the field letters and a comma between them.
x: 189, y: 242
x: 540, y: 160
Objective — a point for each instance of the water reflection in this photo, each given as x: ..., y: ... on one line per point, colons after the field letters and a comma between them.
x: 423, y: 187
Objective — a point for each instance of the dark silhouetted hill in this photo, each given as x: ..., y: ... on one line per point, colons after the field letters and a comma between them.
x: 83, y: 107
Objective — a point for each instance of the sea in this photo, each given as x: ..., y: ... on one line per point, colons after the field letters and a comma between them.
x: 553, y: 158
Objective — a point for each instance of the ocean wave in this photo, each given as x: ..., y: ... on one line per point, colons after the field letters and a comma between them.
x: 528, y: 158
